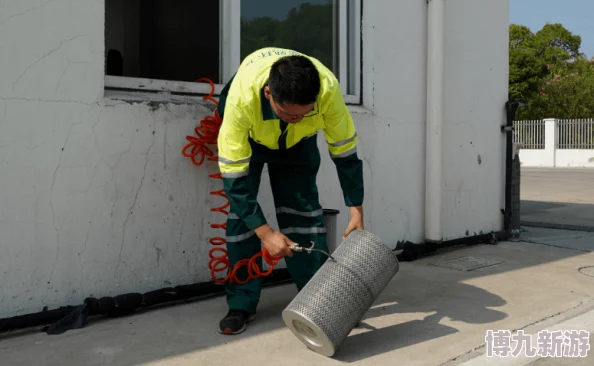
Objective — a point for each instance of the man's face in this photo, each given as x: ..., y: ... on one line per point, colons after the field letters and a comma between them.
x: 290, y: 113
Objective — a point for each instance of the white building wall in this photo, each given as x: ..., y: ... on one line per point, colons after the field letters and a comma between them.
x: 536, y: 158
x: 558, y: 159
x: 574, y: 158
x: 97, y: 199
x: 476, y: 90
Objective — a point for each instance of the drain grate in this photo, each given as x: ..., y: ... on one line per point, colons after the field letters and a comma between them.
x: 588, y: 271
x: 469, y: 263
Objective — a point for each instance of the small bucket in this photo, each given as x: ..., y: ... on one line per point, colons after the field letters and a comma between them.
x: 330, y: 218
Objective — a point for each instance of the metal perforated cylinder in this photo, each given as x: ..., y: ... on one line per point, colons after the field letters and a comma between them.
x: 330, y: 218
x: 337, y: 297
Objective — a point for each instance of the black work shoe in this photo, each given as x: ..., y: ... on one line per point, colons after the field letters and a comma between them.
x: 235, y: 322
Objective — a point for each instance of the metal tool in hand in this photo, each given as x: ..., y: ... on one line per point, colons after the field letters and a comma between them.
x: 299, y: 248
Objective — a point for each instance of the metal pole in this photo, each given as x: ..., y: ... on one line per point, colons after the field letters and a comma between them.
x: 511, y: 108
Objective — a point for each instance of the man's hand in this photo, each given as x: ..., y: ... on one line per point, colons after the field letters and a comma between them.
x: 356, y: 222
x: 275, y: 242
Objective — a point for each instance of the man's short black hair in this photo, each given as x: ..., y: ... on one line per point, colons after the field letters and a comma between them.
x: 294, y: 80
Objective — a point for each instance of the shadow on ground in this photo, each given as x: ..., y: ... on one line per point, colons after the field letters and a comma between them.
x: 560, y: 215
x: 457, y: 301
x: 425, y: 301
x: 560, y: 198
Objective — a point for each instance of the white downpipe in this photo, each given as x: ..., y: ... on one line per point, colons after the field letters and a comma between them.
x: 435, y: 90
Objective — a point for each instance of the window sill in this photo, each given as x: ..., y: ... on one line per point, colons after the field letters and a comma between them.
x: 115, y: 96
x: 358, y: 109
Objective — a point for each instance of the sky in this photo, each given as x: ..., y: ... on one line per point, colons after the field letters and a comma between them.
x: 575, y: 15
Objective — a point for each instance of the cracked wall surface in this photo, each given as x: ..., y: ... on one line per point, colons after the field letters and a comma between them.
x: 97, y: 199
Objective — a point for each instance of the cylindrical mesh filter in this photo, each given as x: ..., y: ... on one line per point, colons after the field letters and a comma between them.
x: 337, y: 297
x: 330, y: 225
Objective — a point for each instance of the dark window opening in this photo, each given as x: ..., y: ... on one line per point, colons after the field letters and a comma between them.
x: 162, y: 39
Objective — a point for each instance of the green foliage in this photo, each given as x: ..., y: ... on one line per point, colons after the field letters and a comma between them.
x: 306, y: 29
x: 548, y: 73
x: 531, y: 55
x: 567, y: 93
x: 525, y: 69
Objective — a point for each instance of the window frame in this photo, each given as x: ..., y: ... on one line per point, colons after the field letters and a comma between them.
x: 349, y: 57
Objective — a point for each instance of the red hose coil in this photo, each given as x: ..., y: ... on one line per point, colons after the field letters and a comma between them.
x: 206, y: 134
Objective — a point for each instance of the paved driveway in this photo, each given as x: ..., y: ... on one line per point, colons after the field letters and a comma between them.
x: 558, y: 197
x: 431, y: 314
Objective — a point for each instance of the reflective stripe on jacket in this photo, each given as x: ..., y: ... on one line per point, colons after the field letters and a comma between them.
x: 248, y: 113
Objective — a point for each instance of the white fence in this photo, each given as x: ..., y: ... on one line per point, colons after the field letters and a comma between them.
x: 555, y: 142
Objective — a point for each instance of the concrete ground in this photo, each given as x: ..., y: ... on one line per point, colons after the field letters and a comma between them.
x: 558, y: 197
x: 430, y: 314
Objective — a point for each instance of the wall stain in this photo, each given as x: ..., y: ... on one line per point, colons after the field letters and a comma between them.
x: 155, y: 106
x: 159, y: 254
x: 480, y: 161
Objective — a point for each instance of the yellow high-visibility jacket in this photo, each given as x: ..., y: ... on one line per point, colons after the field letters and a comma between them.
x: 247, y: 114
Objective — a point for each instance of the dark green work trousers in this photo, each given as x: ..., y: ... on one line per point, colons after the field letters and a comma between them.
x: 292, y: 175
x: 299, y: 214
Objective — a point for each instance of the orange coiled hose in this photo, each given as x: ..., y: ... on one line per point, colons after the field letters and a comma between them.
x: 206, y: 134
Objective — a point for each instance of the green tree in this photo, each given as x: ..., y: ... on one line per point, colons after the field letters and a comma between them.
x: 533, y: 55
x: 307, y: 29
x: 568, y: 92
x: 525, y: 70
